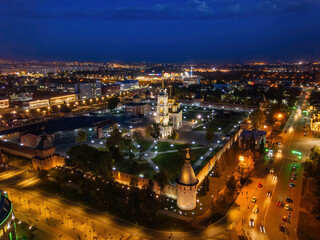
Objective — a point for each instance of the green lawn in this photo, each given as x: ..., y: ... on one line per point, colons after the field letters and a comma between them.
x: 173, y: 162
x: 124, y: 166
x: 207, y: 160
x: 145, y: 144
x: 193, y: 114
x: 226, y: 124
x: 165, y: 146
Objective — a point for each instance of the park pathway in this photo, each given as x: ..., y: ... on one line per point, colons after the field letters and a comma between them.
x: 203, y: 158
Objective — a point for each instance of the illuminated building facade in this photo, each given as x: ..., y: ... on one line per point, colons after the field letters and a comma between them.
x: 175, y: 114
x: 162, y: 117
x: 315, y: 123
x: 63, y: 99
x: 4, y: 103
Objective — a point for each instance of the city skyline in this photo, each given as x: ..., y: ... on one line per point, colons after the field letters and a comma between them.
x: 198, y: 31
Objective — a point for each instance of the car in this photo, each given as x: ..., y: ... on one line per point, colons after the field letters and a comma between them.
x: 279, y: 203
x: 289, y: 200
x: 279, y: 150
x: 251, y: 222
x: 269, y: 193
x: 259, y: 185
x: 282, y: 228
x: 262, y: 229
x: 274, y: 177
x: 284, y: 218
x: 305, y: 134
x: 255, y: 209
x: 294, y: 174
x: 254, y: 199
x: 293, y: 178
x: 294, y: 167
x: 272, y: 170
x: 291, y: 185
x: 287, y: 207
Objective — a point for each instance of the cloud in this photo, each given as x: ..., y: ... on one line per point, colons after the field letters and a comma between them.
x: 169, y: 10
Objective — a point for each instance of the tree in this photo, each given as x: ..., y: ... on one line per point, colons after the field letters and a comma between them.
x: 155, y: 131
x: 232, y: 183
x: 258, y: 119
x: 161, y: 178
x: 174, y: 135
x: 90, y: 159
x: 82, y: 137
x: 209, y: 134
x: 148, y: 131
x: 113, y: 102
x: 148, y: 202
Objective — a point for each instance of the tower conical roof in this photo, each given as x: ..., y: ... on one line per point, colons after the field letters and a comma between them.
x: 187, y: 176
x: 44, y: 143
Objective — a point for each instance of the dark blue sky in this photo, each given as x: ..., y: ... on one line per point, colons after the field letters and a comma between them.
x: 160, y: 31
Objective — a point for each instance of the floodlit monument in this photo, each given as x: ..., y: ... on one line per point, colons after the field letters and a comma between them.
x: 187, y: 184
x: 163, y: 113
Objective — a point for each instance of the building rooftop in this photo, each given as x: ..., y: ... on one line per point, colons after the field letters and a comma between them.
x: 45, y: 143
x: 187, y: 176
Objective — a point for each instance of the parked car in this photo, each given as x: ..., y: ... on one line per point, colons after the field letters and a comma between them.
x: 284, y: 218
x: 262, y: 229
x: 269, y: 193
x: 259, y: 185
x: 254, y: 199
x: 282, y: 228
x: 291, y: 185
x: 279, y: 203
x: 289, y: 200
x: 287, y: 207
x: 251, y: 223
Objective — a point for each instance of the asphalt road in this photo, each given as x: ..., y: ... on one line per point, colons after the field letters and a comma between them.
x: 269, y: 215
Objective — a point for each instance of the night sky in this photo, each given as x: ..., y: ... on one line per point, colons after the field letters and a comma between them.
x: 160, y: 31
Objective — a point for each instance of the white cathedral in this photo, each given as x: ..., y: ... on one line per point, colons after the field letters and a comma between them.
x: 169, y: 115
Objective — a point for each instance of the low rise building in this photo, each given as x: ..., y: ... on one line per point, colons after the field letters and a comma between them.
x: 4, y: 103
x: 137, y: 108
x: 315, y: 122
x: 128, y: 85
x: 110, y: 89
x: 64, y: 98
x: 32, y: 138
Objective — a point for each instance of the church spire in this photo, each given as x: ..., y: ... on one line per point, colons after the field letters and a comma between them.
x: 187, y: 156
x: 187, y: 176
